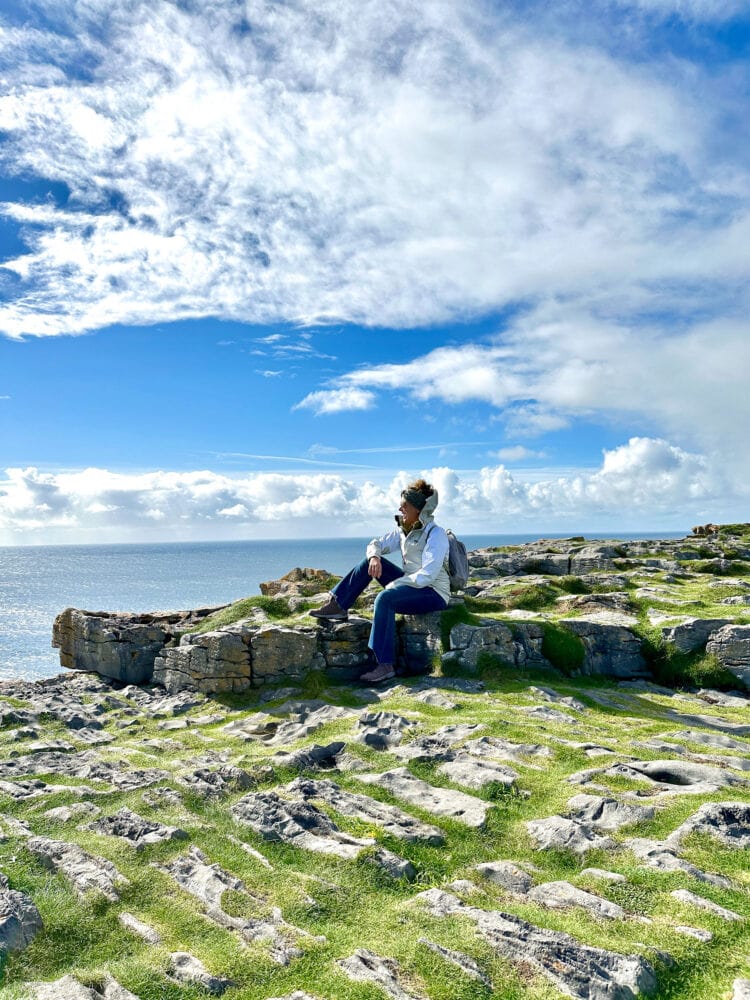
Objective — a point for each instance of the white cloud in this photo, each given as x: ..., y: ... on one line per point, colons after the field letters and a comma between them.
x: 336, y: 400
x: 646, y: 482
x: 560, y: 362
x: 383, y: 162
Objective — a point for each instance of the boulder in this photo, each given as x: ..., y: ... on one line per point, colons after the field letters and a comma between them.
x: 469, y: 772
x: 298, y: 823
x: 208, y: 883
x: 135, y: 830
x: 731, y: 646
x: 694, y: 633
x: 685, y: 896
x: 465, y: 963
x: 609, y: 649
x: 20, y: 921
x: 506, y: 874
x: 728, y: 822
x: 661, y: 856
x: 68, y: 988
x: 563, y: 834
x: 605, y: 813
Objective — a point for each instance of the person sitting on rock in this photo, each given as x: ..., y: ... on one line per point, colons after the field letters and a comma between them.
x: 421, y: 586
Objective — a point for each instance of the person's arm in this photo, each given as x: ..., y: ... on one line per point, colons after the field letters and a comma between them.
x: 434, y: 554
x: 386, y: 543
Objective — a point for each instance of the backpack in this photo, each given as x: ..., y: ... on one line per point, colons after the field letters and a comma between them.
x: 457, y: 562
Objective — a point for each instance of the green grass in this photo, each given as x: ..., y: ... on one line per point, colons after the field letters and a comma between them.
x: 276, y: 608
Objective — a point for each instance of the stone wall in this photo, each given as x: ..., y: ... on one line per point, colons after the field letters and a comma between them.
x: 139, y: 649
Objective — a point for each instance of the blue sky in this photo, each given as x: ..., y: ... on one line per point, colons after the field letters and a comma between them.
x: 261, y: 263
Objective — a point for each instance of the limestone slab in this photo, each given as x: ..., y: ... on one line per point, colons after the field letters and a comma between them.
x: 298, y: 823
x: 442, y: 801
x: 561, y: 833
x: 685, y: 896
x: 469, y: 772
x: 86, y: 872
x: 578, y: 970
x: 393, y: 820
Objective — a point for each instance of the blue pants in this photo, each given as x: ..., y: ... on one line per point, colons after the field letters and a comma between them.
x: 401, y: 600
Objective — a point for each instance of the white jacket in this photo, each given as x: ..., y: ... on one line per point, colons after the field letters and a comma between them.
x: 424, y: 551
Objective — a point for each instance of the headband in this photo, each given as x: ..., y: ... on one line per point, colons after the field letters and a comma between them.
x: 414, y: 497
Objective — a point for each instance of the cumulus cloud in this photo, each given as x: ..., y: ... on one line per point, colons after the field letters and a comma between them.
x: 644, y: 476
x: 387, y: 163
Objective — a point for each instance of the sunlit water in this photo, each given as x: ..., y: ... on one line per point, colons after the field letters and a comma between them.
x: 36, y: 583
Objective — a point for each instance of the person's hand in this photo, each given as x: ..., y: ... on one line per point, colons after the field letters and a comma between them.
x: 375, y: 567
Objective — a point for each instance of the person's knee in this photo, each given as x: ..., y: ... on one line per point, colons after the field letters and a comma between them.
x: 385, y: 599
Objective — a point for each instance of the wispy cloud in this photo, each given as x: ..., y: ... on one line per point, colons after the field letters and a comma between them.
x: 644, y: 475
x: 321, y: 450
x: 516, y: 453
x: 337, y: 400
x: 385, y: 163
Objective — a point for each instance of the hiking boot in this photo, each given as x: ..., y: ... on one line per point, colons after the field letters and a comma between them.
x: 331, y: 610
x: 383, y: 672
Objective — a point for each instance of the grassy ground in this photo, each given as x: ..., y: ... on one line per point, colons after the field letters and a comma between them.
x: 356, y: 906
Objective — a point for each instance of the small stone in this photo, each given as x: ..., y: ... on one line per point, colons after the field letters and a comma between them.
x: 563, y: 895
x: 131, y: 923
x: 465, y: 963
x: 741, y: 989
x: 604, y: 875
x: 696, y: 932
x: 186, y: 968
x: 365, y: 966
x: 506, y: 874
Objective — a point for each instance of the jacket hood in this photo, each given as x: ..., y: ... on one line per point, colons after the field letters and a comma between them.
x: 428, y: 511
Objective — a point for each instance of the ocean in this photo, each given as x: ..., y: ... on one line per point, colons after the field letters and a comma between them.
x: 37, y: 582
